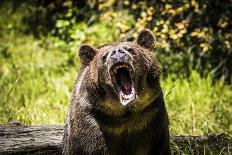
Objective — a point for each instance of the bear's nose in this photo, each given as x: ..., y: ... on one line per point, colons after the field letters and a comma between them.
x: 117, y: 53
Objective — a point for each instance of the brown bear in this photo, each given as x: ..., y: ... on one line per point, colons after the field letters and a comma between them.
x: 117, y: 104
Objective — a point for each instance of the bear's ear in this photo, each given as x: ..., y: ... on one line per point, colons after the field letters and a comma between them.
x: 146, y: 39
x: 86, y: 54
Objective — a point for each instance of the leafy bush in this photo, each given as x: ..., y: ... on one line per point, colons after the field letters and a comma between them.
x: 190, y: 34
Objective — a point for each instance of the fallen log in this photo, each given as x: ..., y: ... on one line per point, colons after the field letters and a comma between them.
x: 47, y: 139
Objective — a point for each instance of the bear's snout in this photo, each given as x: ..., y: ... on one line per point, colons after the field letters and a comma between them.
x: 118, y: 55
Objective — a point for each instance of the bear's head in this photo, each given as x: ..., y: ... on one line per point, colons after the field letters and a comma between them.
x: 126, y: 72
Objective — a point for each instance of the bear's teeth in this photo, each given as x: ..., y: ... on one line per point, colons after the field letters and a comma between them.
x: 126, y: 99
x: 115, y: 70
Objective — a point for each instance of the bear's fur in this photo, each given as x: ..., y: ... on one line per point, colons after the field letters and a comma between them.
x: 117, y: 104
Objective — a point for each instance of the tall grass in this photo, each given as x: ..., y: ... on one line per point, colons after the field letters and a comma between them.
x: 35, y: 82
x: 197, y: 105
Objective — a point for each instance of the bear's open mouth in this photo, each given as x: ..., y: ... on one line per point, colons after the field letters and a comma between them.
x: 122, y: 79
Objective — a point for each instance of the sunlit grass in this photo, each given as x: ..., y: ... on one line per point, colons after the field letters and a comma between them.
x: 35, y: 82
x: 197, y: 105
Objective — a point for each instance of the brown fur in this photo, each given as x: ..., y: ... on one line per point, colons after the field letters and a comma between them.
x: 98, y: 124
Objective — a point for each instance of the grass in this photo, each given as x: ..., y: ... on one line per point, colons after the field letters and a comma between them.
x: 35, y: 83
x: 37, y: 75
x: 196, y: 105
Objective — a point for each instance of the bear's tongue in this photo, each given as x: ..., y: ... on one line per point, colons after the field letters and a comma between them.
x: 125, y: 81
x: 124, y: 85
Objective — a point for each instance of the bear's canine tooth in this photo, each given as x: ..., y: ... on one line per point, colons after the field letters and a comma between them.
x: 115, y: 70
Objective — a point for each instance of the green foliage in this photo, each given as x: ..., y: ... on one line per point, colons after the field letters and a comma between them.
x: 190, y: 33
x: 195, y: 35
x: 73, y: 32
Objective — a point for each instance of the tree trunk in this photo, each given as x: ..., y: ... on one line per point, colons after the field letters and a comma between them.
x: 47, y: 139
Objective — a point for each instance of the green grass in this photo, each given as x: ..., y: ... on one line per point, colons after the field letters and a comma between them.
x: 196, y: 105
x: 35, y: 82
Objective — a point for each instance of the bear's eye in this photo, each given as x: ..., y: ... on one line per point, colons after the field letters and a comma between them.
x: 104, y: 57
x: 130, y: 50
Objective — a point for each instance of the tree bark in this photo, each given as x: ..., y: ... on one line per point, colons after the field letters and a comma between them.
x: 47, y: 139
